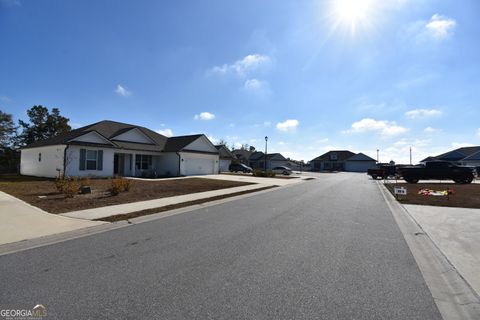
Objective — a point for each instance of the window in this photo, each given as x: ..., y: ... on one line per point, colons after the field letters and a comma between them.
x: 143, y: 161
x: 40, y: 157
x: 91, y: 159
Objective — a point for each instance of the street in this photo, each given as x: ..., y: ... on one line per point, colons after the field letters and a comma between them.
x: 324, y: 249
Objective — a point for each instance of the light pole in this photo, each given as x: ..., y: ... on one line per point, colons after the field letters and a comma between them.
x: 377, y: 156
x: 265, y: 162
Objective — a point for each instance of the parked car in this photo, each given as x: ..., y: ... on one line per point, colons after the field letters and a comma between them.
x: 239, y: 167
x: 438, y: 170
x: 282, y: 170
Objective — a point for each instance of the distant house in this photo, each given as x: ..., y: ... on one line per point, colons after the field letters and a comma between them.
x: 109, y: 148
x: 242, y: 155
x: 257, y: 160
x: 469, y: 156
x: 226, y: 157
x: 342, y: 160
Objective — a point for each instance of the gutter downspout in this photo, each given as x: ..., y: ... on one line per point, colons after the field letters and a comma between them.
x: 179, y: 161
x: 65, y: 160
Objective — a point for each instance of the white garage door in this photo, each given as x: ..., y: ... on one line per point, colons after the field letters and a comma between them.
x: 224, y: 164
x: 194, y: 166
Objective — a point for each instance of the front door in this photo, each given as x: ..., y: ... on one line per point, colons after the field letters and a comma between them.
x: 118, y: 163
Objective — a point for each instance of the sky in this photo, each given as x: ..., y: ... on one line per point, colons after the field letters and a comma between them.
x: 313, y: 76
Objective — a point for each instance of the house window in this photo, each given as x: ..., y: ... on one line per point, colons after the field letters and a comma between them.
x: 40, y: 157
x: 143, y: 161
x: 91, y: 159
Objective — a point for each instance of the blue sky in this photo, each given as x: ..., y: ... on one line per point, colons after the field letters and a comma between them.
x: 311, y: 75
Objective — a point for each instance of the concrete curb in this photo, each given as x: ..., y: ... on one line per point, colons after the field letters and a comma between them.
x: 453, y: 296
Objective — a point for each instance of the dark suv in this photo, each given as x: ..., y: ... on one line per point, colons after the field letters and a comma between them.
x: 235, y: 167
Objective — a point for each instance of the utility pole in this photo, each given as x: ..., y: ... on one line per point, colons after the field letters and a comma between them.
x: 377, y: 156
x: 410, y: 155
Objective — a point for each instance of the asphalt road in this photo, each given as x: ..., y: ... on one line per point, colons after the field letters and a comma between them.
x: 323, y: 249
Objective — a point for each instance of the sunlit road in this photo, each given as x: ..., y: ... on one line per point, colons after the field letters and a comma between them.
x: 323, y: 249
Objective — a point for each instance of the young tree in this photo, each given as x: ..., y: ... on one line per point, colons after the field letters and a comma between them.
x: 42, y: 125
x: 222, y: 142
x: 7, y: 130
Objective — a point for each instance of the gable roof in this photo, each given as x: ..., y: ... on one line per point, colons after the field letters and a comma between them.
x: 175, y: 144
x: 342, y: 155
x: 242, y: 154
x: 224, y: 152
x: 111, y: 129
x: 360, y: 157
x: 455, y: 155
x: 107, y: 129
x: 258, y: 155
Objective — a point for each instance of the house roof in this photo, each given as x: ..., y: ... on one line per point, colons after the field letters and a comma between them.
x: 224, y: 152
x: 270, y: 156
x: 455, y: 155
x: 175, y: 144
x: 360, y: 157
x: 342, y: 155
x: 107, y: 129
x: 242, y: 154
x: 110, y: 129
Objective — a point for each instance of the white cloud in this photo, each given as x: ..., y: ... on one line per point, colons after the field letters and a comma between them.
x: 288, y: 125
x: 255, y: 84
x: 422, y: 113
x: 385, y: 128
x: 122, y: 91
x: 204, y: 116
x: 243, y: 66
x: 5, y: 99
x: 231, y: 125
x: 440, y: 27
x: 281, y: 143
x: 431, y: 130
x: 457, y: 145
x: 478, y: 132
x: 165, y: 132
x: 267, y: 123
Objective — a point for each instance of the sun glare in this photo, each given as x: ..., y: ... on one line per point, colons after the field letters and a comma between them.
x: 352, y: 12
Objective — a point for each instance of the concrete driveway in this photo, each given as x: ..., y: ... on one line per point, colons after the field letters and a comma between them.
x: 21, y: 221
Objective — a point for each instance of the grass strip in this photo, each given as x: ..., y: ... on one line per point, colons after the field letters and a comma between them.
x: 135, y: 214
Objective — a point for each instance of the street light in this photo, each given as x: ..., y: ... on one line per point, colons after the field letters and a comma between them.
x: 377, y: 156
x: 265, y: 162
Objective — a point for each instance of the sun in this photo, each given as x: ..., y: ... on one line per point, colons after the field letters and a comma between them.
x: 352, y: 12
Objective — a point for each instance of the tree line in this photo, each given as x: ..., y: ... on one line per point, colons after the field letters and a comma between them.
x: 42, y: 124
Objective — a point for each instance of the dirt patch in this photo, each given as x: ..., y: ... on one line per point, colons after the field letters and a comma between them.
x: 43, y: 194
x: 131, y: 215
x: 463, y: 195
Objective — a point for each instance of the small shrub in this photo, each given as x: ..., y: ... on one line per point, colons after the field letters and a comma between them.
x: 262, y: 173
x: 68, y: 186
x: 120, y: 185
x: 85, y: 181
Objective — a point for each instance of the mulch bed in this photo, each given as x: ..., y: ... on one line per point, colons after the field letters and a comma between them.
x: 43, y: 194
x: 464, y: 195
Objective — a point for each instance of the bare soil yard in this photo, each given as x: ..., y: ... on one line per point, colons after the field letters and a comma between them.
x: 464, y: 195
x: 42, y: 193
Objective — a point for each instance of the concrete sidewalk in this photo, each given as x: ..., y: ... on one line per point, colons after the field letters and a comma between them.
x: 102, y: 212
x: 456, y: 232
x: 21, y: 221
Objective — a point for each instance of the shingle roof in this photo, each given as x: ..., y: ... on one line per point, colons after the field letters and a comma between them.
x: 261, y: 156
x: 110, y: 129
x: 360, y: 157
x: 224, y: 152
x: 455, y: 155
x: 175, y: 144
x: 342, y: 155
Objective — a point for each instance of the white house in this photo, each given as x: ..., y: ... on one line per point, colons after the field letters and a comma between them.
x: 109, y: 148
x: 226, y: 157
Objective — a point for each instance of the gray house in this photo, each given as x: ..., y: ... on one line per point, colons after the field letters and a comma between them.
x: 257, y: 160
x: 469, y: 156
x: 226, y: 157
x: 343, y: 160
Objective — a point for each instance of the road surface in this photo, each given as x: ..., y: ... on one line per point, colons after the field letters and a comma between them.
x: 323, y: 249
